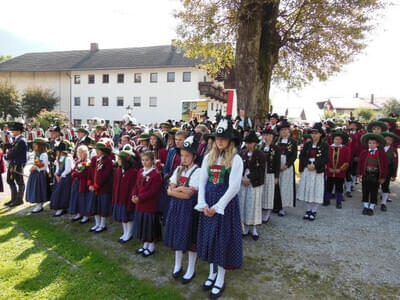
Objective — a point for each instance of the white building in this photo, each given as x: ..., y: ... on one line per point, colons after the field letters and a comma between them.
x: 152, y: 81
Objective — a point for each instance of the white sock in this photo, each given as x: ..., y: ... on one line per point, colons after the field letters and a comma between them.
x: 191, y: 265
x: 254, y: 230
x: 366, y: 205
x: 385, y: 197
x: 38, y: 207
x: 84, y: 219
x: 314, y: 208
x: 145, y: 245
x: 220, y: 279
x: 102, y: 222
x: 266, y: 215
x: 246, y: 229
x: 211, y: 275
x: 77, y: 216
x: 309, y: 207
x: 97, y: 222
x: 348, y: 186
x: 372, y: 206
x: 123, y: 230
x: 282, y: 212
x: 353, y: 179
x: 129, y: 227
x: 58, y: 212
x: 178, y: 261
x: 151, y: 247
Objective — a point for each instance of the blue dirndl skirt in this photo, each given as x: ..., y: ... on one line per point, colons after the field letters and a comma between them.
x: 219, y: 239
x: 164, y: 202
x: 146, y: 227
x: 73, y: 202
x: 102, y: 204
x: 181, y: 225
x: 90, y: 200
x: 36, y: 188
x: 120, y: 213
x: 61, y: 193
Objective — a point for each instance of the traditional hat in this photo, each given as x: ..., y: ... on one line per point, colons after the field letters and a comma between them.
x: 165, y: 124
x: 330, y: 124
x: 395, y: 137
x: 376, y: 124
x: 275, y: 116
x: 268, y: 130
x: 104, y: 144
x: 144, y: 137
x: 342, y: 134
x: 372, y: 136
x: 56, y: 129
x: 127, y: 153
x: 283, y: 124
x: 209, y: 136
x: 355, y: 122
x: 68, y: 146
x: 388, y: 120
x: 225, y: 128
x: 83, y: 130
x: 318, y: 128
x: 157, y: 135
x: 191, y: 143
x: 173, y: 131
x: 40, y: 140
x: 17, y: 126
x: 306, y: 136
x: 251, y: 137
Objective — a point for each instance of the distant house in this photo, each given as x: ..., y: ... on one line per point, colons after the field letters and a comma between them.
x: 342, y: 105
x: 292, y: 114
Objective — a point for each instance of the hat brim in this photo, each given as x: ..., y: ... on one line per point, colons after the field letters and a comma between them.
x: 372, y: 136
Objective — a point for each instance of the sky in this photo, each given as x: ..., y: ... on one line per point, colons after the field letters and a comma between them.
x: 44, y: 25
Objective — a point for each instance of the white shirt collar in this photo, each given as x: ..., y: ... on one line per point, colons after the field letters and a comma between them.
x: 145, y: 172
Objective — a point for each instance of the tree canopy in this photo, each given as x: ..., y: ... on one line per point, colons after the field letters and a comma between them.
x: 9, y: 101
x: 36, y: 99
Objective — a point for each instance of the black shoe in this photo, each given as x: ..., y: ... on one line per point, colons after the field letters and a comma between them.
x: 101, y: 230
x: 365, y: 211
x: 281, y: 213
x: 326, y: 203
x: 84, y: 222
x: 74, y: 219
x: 8, y: 203
x: 383, y: 207
x: 125, y: 241
x: 370, y: 212
x: 307, y: 215
x: 186, y: 281
x: 219, y: 294
x: 352, y: 188
x: 15, y: 203
x: 245, y: 234
x: 338, y: 205
x: 207, y: 287
x: 140, y: 251
x: 147, y: 252
x: 389, y: 200
x: 177, y: 274
x: 313, y: 215
x: 348, y: 195
x: 255, y: 237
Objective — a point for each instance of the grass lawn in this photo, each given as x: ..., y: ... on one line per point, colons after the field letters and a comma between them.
x: 40, y: 261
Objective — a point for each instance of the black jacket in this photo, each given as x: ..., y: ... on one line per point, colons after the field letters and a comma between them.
x: 256, y: 166
x: 321, y: 156
x: 273, y: 160
x: 289, y: 149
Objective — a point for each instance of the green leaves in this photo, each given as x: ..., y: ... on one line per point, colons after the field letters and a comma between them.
x: 9, y: 100
x: 35, y: 99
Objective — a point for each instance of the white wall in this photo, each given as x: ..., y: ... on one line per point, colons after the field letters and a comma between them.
x: 169, y: 94
x: 57, y: 81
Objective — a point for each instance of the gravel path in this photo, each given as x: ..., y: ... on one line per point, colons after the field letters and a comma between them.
x: 341, y: 255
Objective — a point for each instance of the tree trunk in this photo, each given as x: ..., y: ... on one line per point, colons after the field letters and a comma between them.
x: 257, y: 51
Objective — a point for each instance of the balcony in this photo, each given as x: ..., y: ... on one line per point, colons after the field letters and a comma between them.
x: 208, y: 89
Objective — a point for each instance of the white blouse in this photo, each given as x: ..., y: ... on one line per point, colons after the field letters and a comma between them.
x: 69, y: 165
x: 194, y: 178
x: 235, y: 178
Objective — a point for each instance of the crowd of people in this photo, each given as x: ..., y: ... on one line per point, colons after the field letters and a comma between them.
x: 200, y: 186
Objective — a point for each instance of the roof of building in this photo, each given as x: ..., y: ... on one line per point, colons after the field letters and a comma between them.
x: 349, y: 103
x: 123, y: 58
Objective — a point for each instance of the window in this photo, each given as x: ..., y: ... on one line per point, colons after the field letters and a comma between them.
x: 138, y: 77
x: 90, y: 78
x: 77, y: 79
x: 120, y: 78
x: 187, y: 76
x: 153, y: 77
x: 153, y: 102
x: 77, y: 101
x: 171, y: 77
x: 120, y: 101
x: 77, y: 122
x: 137, y: 101
x: 106, y: 78
x: 91, y: 101
x: 105, y: 101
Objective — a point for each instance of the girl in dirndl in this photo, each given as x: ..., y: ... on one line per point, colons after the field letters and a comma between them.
x: 251, y: 190
x: 146, y: 196
x: 272, y: 169
x: 61, y: 194
x: 36, y: 190
x: 79, y: 192
x: 313, y: 159
x: 182, y: 219
x: 219, y: 240
x: 124, y: 181
x: 102, y: 184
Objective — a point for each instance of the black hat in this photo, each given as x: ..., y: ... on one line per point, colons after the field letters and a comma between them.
x: 318, y: 128
x: 275, y: 115
x: 342, y: 134
x: 330, y: 124
x: 191, y: 143
x: 283, y: 124
x: 372, y: 136
x: 225, y: 128
x: 268, y: 130
x: 56, y: 129
x: 209, y: 136
x: 251, y: 137
x: 17, y: 126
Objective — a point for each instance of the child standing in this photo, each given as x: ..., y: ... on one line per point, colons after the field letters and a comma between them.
x: 391, y: 140
x: 124, y: 181
x: 252, y: 187
x: 78, y: 202
x: 36, y: 190
x: 146, y: 196
x: 62, y: 189
x: 182, y: 219
x: 102, y: 184
x: 372, y: 170
x: 219, y: 240
x: 339, y: 162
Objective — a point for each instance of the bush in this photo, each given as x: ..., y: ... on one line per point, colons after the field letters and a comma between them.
x: 46, y: 118
x: 365, y: 114
x: 35, y: 99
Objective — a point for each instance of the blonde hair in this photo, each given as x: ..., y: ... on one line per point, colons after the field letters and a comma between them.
x: 203, y: 128
x: 227, y: 155
x: 84, y: 149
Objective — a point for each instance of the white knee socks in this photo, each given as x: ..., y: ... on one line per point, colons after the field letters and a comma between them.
x: 123, y: 230
x: 191, y: 265
x: 385, y: 197
x: 102, y: 223
x: 246, y: 229
x: 254, y: 230
x: 220, y: 279
x: 314, y: 208
x: 97, y: 222
x: 348, y: 186
x: 266, y: 215
x: 128, y: 228
x: 151, y: 247
x: 178, y: 261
